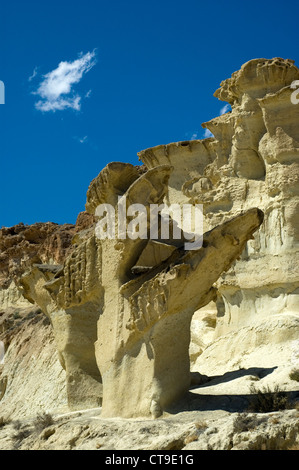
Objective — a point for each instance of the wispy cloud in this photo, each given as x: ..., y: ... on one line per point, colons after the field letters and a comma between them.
x: 207, y: 134
x: 56, y: 89
x: 193, y: 135
x: 82, y: 140
x: 225, y: 109
x: 34, y: 73
x: 85, y: 140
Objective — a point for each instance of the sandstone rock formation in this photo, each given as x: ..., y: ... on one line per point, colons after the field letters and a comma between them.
x: 132, y: 319
x: 144, y: 328
x: 252, y: 161
x: 31, y: 377
x: 121, y: 308
x: 190, y: 431
x: 23, y: 245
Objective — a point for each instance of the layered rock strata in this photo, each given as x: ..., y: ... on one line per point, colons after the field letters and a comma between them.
x: 252, y: 161
x: 98, y: 297
x: 121, y: 308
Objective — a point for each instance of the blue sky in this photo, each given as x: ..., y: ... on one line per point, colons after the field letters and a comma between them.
x: 91, y: 82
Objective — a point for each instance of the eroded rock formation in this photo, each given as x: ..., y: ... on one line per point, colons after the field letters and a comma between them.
x: 121, y: 308
x: 23, y: 245
x: 138, y: 323
x: 252, y: 161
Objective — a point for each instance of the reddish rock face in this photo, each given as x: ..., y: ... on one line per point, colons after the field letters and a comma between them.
x: 22, y: 245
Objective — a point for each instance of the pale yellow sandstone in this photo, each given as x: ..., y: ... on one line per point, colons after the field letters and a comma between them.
x: 123, y: 311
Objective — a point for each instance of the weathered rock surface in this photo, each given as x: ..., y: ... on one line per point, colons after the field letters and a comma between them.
x: 121, y: 310
x: 252, y: 161
x: 23, y: 245
x: 31, y: 366
x: 31, y: 377
x: 189, y: 431
x: 115, y: 328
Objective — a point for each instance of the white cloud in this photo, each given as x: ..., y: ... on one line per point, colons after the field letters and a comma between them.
x: 225, y: 109
x: 56, y: 91
x: 207, y: 134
